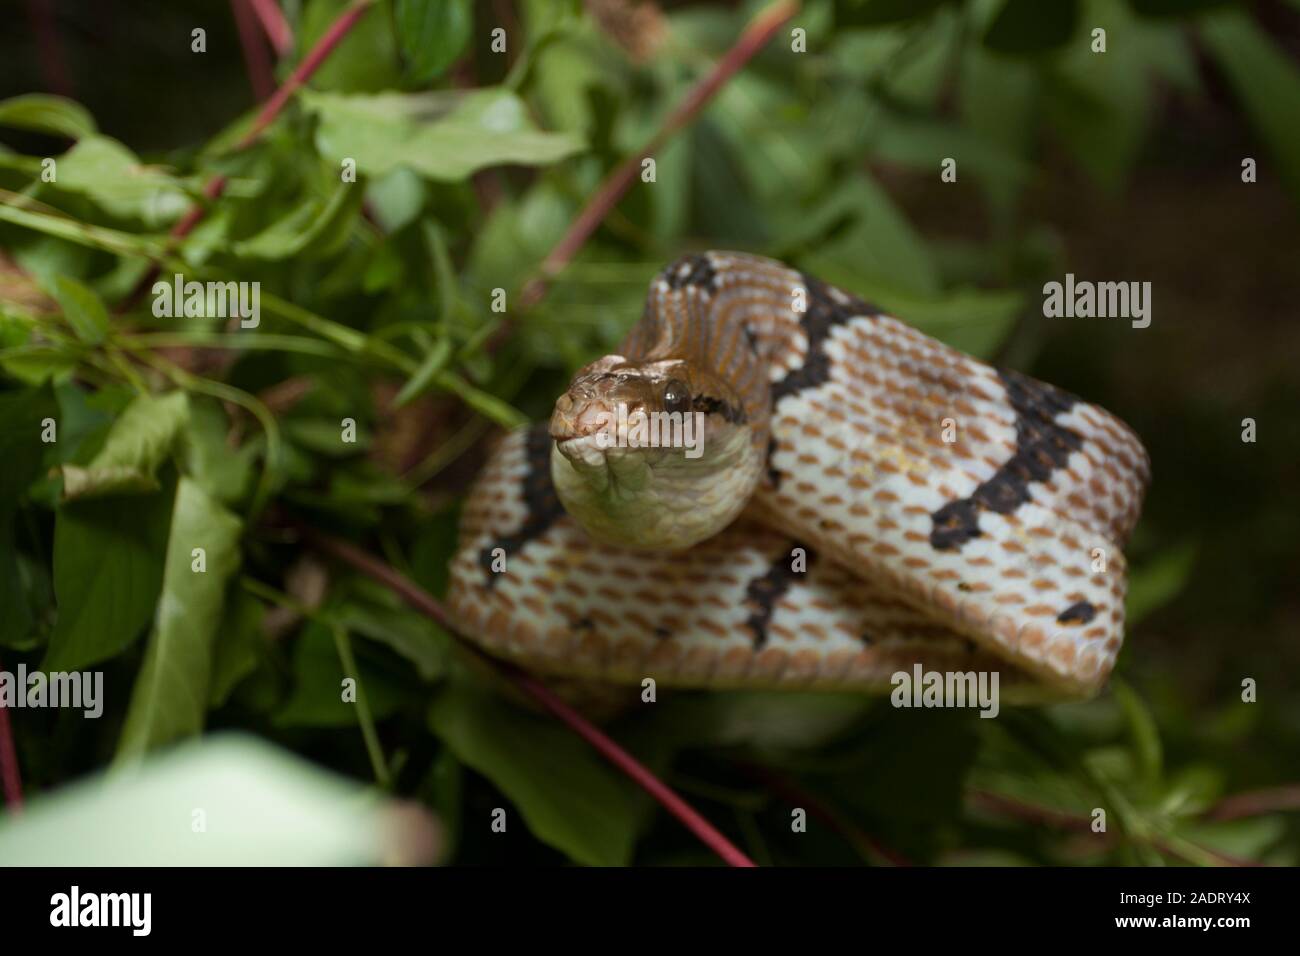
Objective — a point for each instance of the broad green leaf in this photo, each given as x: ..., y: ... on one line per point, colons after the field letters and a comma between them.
x: 139, y: 441
x: 432, y: 33
x: 21, y: 449
x: 229, y: 800
x: 238, y: 645
x: 171, y: 692
x: 83, y: 309
x: 112, y: 176
x: 1266, y: 81
x: 226, y: 473
x: 1032, y: 26
x: 318, y: 691
x: 412, y: 635
x: 42, y: 113
x: 568, y: 797
x: 23, y: 416
x: 1157, y: 581
x: 857, y: 13
x: 446, y: 137
x: 108, y: 570
x: 314, y: 222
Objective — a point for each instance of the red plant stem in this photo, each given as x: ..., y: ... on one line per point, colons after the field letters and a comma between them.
x: 1254, y: 802
x: 796, y: 796
x: 53, y: 64
x: 274, y: 25
x: 256, y: 58
x: 217, y: 185
x: 11, y: 780
x: 760, y: 30
x: 426, y: 603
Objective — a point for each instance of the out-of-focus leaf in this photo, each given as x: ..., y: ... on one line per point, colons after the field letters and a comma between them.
x: 367, y: 57
x: 860, y: 13
x: 108, y: 571
x: 83, y: 309
x: 43, y: 113
x: 21, y: 450
x: 139, y: 442
x: 1175, y: 8
x: 567, y: 796
x: 225, y: 473
x: 1142, y: 728
x: 432, y: 34
x: 1032, y: 26
x: 416, y: 638
x: 760, y: 719
x: 112, y: 176
x: 221, y: 801
x: 1266, y: 81
x: 171, y: 693
x: 317, y: 698
x: 1157, y: 581
x: 237, y: 647
x: 422, y: 379
x: 314, y: 222
x: 446, y: 137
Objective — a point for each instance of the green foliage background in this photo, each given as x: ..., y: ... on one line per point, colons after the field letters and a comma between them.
x: 376, y: 307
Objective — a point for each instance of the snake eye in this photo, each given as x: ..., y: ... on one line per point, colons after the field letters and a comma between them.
x: 677, y: 397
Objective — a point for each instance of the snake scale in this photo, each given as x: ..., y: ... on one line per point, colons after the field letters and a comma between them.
x: 867, y: 499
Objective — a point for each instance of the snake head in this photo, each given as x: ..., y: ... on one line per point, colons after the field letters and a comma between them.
x: 652, y: 454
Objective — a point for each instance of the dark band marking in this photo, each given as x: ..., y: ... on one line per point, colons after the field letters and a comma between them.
x: 763, y: 593
x: 691, y: 271
x: 773, y: 475
x: 822, y: 314
x: 542, y: 503
x: 1080, y: 613
x: 719, y: 406
x: 1042, y: 446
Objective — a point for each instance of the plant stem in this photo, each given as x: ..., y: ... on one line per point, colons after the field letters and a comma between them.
x: 364, y: 717
x: 427, y: 604
x: 760, y: 30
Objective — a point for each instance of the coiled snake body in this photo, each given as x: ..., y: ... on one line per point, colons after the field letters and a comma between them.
x: 866, y: 499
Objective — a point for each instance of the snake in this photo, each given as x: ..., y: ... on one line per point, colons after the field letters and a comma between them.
x: 858, y: 499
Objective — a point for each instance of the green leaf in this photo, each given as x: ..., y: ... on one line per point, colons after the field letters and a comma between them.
x: 172, y: 690
x: 314, y: 222
x: 42, y: 113
x: 317, y: 698
x: 108, y: 570
x: 22, y: 416
x: 1157, y: 581
x: 432, y: 34
x: 21, y: 450
x: 83, y: 309
x: 139, y: 441
x: 238, y: 646
x: 445, y: 137
x: 858, y: 13
x: 111, y: 176
x: 1266, y: 81
x: 423, y: 378
x: 1032, y: 26
x: 412, y: 635
x: 566, y: 794
x: 259, y: 805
